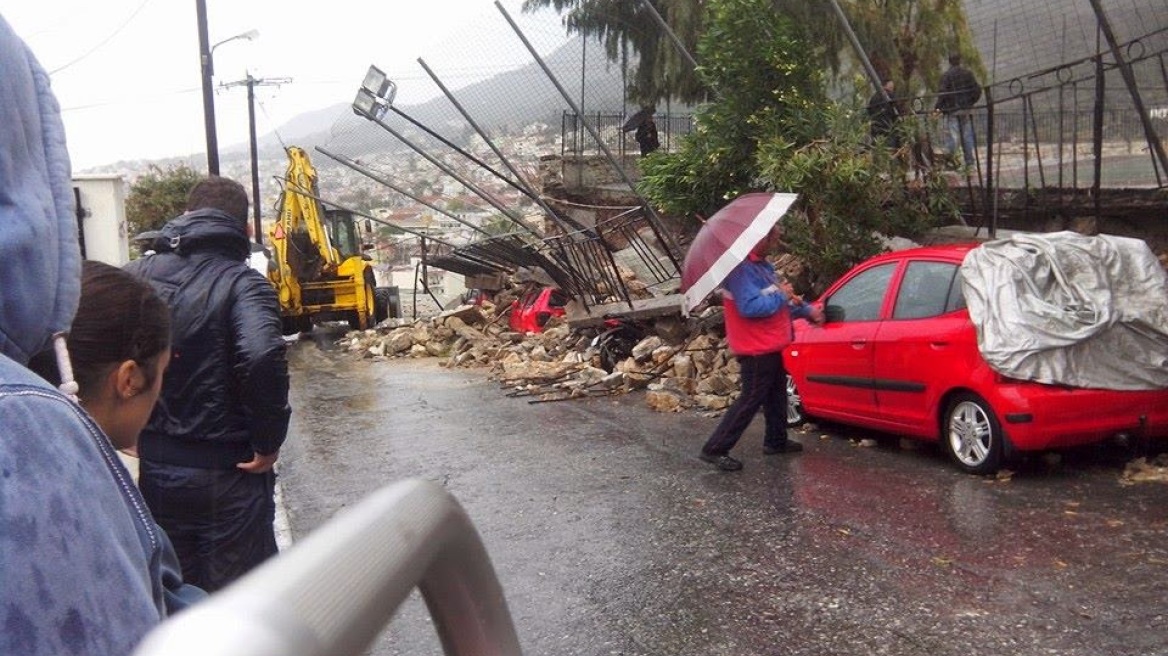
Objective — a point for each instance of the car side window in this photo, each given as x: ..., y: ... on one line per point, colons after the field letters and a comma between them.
x: 926, y: 290
x: 860, y: 298
x: 557, y: 298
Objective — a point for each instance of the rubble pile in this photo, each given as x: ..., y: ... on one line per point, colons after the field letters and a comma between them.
x: 1142, y: 470
x: 682, y: 364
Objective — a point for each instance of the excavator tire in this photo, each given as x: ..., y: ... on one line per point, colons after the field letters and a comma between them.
x: 296, y: 325
x: 382, y: 304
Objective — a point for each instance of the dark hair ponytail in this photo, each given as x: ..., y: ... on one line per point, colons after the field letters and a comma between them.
x: 120, y: 318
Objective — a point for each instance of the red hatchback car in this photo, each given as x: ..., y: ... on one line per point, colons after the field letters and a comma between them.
x: 898, y: 353
x: 531, y: 312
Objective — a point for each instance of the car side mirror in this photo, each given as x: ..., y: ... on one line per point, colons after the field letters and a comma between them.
x: 832, y: 313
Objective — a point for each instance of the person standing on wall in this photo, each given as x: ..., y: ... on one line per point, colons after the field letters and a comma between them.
x: 883, y: 115
x: 646, y: 136
x: 759, y: 310
x: 208, y: 451
x: 959, y: 92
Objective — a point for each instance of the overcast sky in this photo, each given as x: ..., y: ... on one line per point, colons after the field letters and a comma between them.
x: 126, y: 72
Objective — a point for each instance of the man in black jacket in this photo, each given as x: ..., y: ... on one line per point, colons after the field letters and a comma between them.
x: 208, y: 450
x: 883, y: 114
x: 958, y: 93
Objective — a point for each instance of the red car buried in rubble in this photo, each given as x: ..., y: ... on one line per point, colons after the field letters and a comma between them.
x: 531, y: 312
x: 899, y: 354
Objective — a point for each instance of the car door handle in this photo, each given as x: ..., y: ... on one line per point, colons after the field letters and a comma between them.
x: 939, y: 345
x: 859, y: 343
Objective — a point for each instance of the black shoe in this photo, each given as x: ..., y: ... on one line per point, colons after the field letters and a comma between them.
x: 789, y: 446
x: 725, y: 463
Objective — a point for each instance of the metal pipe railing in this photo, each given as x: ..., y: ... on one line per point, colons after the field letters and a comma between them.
x: 333, y: 593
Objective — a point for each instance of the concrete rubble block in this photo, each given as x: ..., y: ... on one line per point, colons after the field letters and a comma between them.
x: 662, y: 354
x: 398, y: 341
x: 683, y: 366
x: 663, y: 401
x: 536, y: 371
x: 468, y: 314
x: 629, y: 366
x: 717, y: 383
x: 436, y: 348
x: 713, y: 401
x: 687, y: 386
x: 418, y: 351
x: 467, y: 332
x: 590, y: 375
x: 644, y: 349
x: 681, y: 386
x: 539, y: 353
x: 421, y: 333
x: 731, y: 366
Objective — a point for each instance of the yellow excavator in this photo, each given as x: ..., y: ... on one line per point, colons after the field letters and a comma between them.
x: 319, y: 267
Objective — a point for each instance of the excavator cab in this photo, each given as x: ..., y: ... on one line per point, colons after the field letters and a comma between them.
x: 344, y: 234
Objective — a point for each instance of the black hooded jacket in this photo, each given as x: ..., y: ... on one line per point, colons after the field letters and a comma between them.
x: 225, y: 392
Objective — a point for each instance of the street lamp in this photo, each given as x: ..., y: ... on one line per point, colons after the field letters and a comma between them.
x: 207, y: 66
x: 375, y: 95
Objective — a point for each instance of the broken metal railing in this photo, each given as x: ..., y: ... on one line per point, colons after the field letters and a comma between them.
x: 334, y: 592
x: 583, y: 264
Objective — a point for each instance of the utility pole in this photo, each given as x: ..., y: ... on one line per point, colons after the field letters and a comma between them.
x: 206, y: 71
x: 251, y: 84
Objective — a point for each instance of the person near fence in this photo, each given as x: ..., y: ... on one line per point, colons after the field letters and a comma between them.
x: 758, y: 309
x: 646, y: 136
x: 207, y: 453
x: 883, y: 115
x: 959, y: 92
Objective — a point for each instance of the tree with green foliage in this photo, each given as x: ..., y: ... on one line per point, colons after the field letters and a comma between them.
x: 907, y: 40
x: 773, y: 129
x: 628, y: 31
x: 158, y: 196
x: 758, y: 60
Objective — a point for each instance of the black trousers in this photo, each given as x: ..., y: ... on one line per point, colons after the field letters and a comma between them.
x: 764, y: 385
x: 220, y: 520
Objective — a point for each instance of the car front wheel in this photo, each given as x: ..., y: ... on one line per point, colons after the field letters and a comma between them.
x: 795, y: 415
x: 972, y: 435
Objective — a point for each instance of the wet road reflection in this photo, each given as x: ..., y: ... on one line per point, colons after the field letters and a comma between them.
x: 610, y: 537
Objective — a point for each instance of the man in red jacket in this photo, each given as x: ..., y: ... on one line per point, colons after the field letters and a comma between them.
x: 758, y: 311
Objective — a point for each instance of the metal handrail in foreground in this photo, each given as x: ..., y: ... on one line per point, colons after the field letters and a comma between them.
x: 332, y: 593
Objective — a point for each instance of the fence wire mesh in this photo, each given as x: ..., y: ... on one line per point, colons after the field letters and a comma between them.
x: 1059, y: 111
x: 1057, y: 102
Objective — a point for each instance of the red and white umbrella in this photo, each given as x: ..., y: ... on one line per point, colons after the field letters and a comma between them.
x: 726, y: 239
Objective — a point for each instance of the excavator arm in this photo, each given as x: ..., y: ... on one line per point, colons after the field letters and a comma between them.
x: 313, y: 279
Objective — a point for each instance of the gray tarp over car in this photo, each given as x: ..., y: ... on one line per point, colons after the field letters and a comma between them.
x: 1068, y: 309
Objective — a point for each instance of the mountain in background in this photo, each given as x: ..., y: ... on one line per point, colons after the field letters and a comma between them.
x: 505, y: 102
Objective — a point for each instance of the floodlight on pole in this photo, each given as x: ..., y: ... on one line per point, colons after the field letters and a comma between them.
x: 375, y: 95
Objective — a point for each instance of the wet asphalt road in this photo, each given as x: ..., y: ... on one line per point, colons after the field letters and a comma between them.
x: 610, y: 537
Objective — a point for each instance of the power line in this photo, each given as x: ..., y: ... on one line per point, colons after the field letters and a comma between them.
x: 104, y: 41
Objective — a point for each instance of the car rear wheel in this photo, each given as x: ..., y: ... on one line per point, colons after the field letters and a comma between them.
x: 795, y: 416
x: 972, y: 435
